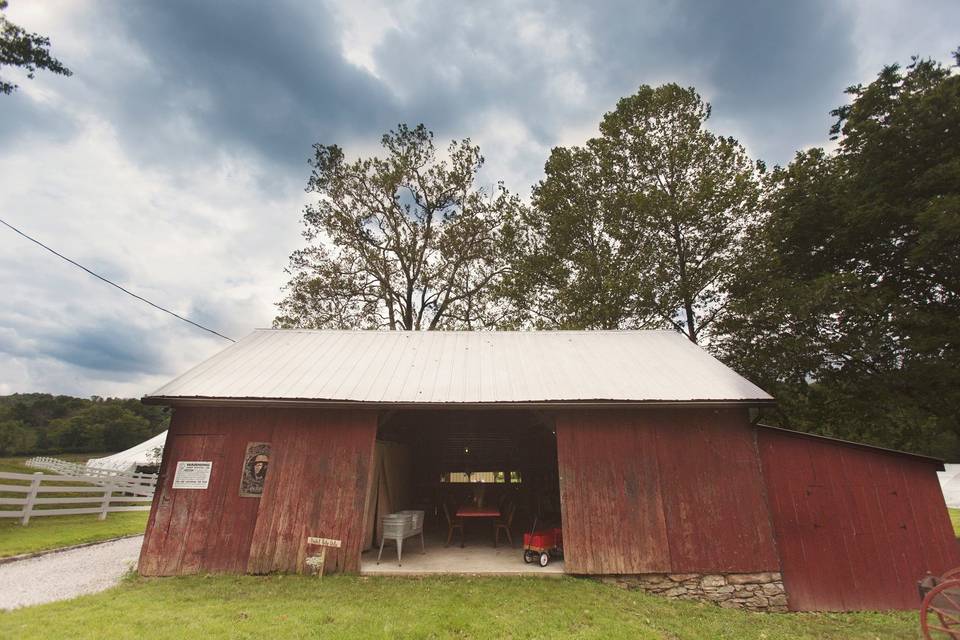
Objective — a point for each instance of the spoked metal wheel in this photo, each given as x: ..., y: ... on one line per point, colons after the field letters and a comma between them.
x: 940, y: 612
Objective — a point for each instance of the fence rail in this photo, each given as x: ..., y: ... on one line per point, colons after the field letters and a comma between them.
x: 93, y: 474
x: 101, y: 495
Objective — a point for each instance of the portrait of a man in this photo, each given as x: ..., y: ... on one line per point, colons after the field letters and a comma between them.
x: 255, y: 464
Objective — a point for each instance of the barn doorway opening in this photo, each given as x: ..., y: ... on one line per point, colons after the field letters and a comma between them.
x: 481, y: 478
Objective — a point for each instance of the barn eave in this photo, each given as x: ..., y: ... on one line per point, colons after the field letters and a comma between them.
x: 175, y: 401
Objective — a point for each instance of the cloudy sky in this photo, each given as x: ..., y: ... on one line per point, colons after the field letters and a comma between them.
x: 174, y: 160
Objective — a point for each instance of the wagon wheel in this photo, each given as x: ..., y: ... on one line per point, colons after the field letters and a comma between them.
x: 940, y: 612
x: 951, y: 574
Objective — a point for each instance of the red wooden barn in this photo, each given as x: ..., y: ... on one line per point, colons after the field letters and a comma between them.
x: 640, y: 443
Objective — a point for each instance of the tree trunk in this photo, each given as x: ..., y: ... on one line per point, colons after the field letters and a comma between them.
x: 691, y: 321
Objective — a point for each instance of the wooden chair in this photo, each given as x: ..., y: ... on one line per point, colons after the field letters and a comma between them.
x: 504, y: 524
x: 452, y: 525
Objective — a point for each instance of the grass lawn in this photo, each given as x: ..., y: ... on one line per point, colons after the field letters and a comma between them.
x: 441, y: 607
x: 52, y: 532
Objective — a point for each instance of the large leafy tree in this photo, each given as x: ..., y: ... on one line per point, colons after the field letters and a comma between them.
x: 29, y: 51
x: 640, y: 227
x: 402, y: 241
x: 849, y: 305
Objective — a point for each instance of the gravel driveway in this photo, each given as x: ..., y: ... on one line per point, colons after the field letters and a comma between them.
x: 66, y: 574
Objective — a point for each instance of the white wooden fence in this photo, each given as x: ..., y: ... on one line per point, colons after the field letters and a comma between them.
x: 92, y: 474
x: 100, y: 496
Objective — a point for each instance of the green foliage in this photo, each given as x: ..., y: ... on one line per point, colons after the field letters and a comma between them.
x: 423, y: 607
x: 402, y: 241
x: 29, y: 51
x: 43, y: 423
x: 92, y: 427
x: 640, y: 227
x: 15, y: 437
x: 847, y: 307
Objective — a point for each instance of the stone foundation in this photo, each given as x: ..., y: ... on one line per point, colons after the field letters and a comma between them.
x: 750, y: 591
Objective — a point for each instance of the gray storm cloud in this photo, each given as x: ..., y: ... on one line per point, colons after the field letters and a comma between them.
x: 175, y: 157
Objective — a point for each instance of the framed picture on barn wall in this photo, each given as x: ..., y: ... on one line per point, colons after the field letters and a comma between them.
x: 256, y: 461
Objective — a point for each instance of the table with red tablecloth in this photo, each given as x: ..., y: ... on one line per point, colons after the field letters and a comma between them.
x: 476, y: 512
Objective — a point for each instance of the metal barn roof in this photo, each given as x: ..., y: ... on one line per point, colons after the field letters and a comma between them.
x: 462, y: 367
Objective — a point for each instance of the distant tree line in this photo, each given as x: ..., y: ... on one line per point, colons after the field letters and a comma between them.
x: 833, y: 282
x: 40, y: 423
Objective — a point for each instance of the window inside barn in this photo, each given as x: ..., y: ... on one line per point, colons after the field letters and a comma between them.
x: 476, y: 477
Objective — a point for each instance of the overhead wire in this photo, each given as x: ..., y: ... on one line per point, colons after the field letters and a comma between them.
x: 114, y: 284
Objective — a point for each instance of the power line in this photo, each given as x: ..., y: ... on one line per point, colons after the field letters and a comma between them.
x: 113, y: 284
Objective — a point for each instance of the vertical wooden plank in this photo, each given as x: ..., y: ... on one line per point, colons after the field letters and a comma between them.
x: 205, y: 505
x: 280, y: 519
x: 610, y: 497
x: 787, y: 478
x: 318, y: 488
x: 345, y: 517
x: 713, y: 495
x: 185, y: 447
x: 158, y: 521
x: 868, y: 560
x: 232, y: 531
x: 832, y: 533
x: 904, y: 536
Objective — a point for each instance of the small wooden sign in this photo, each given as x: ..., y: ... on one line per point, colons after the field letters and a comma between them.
x: 324, y: 542
x: 319, y: 560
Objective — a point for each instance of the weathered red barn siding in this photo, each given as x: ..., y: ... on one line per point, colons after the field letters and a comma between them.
x: 662, y: 491
x: 316, y: 486
x: 322, y: 466
x: 856, y: 527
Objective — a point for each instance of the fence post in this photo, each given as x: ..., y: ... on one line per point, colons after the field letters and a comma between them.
x: 105, y: 505
x: 31, y: 497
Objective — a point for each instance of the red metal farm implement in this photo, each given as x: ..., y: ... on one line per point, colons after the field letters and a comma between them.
x: 940, y: 610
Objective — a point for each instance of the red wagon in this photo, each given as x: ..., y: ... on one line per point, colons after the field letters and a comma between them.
x: 542, y: 545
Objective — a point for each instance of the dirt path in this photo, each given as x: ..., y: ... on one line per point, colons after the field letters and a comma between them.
x: 66, y: 574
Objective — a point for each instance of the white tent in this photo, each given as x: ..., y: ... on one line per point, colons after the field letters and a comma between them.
x: 143, y: 454
x: 950, y: 484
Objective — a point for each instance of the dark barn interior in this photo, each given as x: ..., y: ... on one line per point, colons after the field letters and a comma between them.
x: 500, y: 459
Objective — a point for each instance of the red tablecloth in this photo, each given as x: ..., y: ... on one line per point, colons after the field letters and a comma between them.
x: 478, y: 512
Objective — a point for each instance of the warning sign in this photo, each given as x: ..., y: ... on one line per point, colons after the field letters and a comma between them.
x: 192, y: 475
